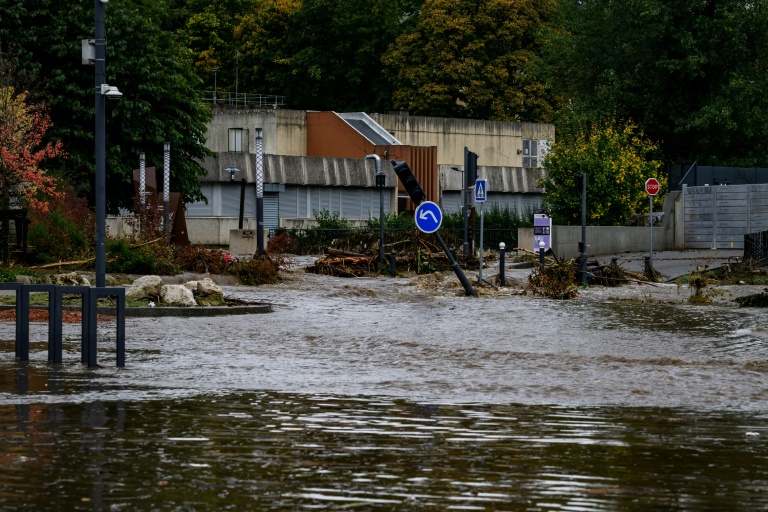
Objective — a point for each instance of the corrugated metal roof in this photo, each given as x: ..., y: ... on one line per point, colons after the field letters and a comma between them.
x: 369, y: 133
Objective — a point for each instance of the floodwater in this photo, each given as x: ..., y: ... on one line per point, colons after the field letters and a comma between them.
x: 390, y: 394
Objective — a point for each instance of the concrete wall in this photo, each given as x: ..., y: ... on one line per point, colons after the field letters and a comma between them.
x: 609, y: 240
x: 284, y: 131
x: 719, y: 217
x: 496, y: 142
x: 601, y: 240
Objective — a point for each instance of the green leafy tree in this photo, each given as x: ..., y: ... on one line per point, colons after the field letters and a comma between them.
x: 332, y: 52
x: 211, y: 33
x: 149, y: 65
x: 691, y: 74
x: 473, y: 59
x: 618, y: 159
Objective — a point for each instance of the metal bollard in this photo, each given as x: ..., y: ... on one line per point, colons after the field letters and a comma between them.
x: 393, y: 264
x: 614, y: 261
x: 541, y: 254
x: 648, y: 266
x: 502, y: 251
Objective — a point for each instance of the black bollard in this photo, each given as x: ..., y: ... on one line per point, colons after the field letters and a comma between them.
x: 648, y: 267
x: 393, y: 264
x: 502, y: 251
x: 614, y: 261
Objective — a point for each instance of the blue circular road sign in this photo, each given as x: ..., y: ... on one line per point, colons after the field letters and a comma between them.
x: 428, y: 217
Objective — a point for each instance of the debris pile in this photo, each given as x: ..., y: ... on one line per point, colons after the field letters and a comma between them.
x: 422, y: 257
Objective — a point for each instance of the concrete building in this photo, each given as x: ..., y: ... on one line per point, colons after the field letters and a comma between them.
x: 315, y: 161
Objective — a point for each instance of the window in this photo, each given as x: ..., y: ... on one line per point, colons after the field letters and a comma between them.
x: 534, y: 152
x: 530, y: 153
x: 238, y: 140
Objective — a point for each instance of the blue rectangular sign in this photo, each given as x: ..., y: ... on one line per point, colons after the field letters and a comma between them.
x: 481, y: 190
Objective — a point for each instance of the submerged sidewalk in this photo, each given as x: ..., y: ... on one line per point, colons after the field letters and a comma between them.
x: 671, y: 264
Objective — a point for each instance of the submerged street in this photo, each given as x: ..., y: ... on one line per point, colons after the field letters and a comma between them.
x: 399, y: 394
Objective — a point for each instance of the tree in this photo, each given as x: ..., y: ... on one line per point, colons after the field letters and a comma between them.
x: 691, y: 74
x: 161, y: 99
x: 210, y: 32
x: 473, y: 59
x: 618, y: 159
x: 23, y: 125
x: 328, y: 52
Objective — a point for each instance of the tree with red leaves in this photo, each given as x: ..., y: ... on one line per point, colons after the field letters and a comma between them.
x: 23, y: 125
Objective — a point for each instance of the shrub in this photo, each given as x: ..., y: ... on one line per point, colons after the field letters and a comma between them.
x: 256, y: 271
x: 122, y: 258
x: 65, y: 233
x: 6, y: 276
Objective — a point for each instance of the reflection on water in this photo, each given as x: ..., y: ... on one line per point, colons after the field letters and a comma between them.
x: 275, y: 451
x: 383, y: 404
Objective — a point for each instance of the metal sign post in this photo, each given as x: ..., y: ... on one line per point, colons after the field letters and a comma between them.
x: 481, y: 194
x: 652, y: 187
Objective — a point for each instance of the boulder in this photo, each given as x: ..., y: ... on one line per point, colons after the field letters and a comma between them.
x: 145, y: 287
x: 71, y: 279
x: 177, y: 295
x: 206, y: 292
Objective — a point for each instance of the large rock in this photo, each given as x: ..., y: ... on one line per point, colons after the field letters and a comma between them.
x: 206, y: 292
x: 145, y: 287
x: 71, y: 279
x: 177, y: 295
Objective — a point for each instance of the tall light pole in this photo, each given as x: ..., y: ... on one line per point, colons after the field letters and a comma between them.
x: 100, y: 136
x: 381, y: 181
x: 95, y: 53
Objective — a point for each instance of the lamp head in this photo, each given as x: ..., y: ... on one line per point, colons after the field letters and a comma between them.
x: 110, y: 91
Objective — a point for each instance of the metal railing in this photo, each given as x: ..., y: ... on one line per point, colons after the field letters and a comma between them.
x: 244, y: 99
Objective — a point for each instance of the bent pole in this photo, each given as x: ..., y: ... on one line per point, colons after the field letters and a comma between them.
x: 457, y: 269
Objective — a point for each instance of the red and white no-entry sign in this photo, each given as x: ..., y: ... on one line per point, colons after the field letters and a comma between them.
x: 652, y: 186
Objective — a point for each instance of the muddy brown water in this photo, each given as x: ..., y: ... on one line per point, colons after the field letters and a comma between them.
x: 392, y: 394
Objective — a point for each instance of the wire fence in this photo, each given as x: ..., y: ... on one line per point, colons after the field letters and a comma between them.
x: 756, y: 247
x: 317, y: 240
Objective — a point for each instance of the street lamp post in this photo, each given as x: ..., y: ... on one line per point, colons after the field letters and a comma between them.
x: 100, y: 136
x: 381, y: 181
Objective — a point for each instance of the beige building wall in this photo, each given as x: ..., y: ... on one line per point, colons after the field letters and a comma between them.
x: 498, y: 143
x: 284, y: 131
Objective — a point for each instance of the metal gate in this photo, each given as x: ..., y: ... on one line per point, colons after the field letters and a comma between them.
x: 718, y: 217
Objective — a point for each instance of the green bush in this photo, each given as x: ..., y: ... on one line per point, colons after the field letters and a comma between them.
x: 64, y: 232
x: 6, y: 276
x: 57, y: 239
x: 124, y: 259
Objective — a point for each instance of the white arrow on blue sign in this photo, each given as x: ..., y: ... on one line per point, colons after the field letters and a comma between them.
x: 481, y: 190
x: 428, y: 217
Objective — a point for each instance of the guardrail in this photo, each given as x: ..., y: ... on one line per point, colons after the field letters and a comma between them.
x: 89, y: 309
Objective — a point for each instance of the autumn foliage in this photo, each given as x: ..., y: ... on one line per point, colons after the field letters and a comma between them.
x: 22, y: 151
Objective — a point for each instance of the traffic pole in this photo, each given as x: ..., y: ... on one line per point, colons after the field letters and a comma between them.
x: 651, y: 235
